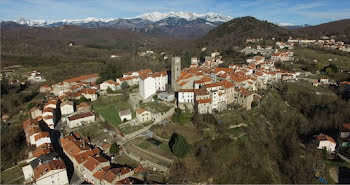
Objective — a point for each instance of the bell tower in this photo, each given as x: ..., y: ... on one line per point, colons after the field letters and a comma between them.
x: 175, y: 72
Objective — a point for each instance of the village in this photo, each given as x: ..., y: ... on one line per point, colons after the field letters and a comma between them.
x: 89, y: 132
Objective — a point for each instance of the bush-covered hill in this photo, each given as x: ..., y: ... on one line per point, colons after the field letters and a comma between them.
x: 340, y: 29
x: 236, y: 31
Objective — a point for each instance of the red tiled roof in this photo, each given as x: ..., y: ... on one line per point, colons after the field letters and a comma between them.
x: 140, y: 110
x: 112, y: 82
x: 47, y: 167
x: 42, y: 149
x: 346, y: 126
x: 182, y: 83
x: 217, y: 84
x: 323, y: 137
x: 79, y: 116
x: 245, y: 92
x: 83, y: 104
x: 94, y: 162
x: 186, y: 90
x: 200, y: 92
x: 204, y: 101
x: 41, y: 135
x: 80, y: 78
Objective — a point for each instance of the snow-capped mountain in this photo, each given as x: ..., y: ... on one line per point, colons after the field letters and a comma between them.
x: 171, y: 23
x: 157, y: 16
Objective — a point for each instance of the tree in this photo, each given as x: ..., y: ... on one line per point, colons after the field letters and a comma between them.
x: 178, y: 145
x: 114, y: 149
x: 110, y: 71
x: 124, y: 85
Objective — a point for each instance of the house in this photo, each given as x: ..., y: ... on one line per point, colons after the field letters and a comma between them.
x: 125, y: 115
x: 35, y: 77
x: 83, y: 107
x: 45, y: 89
x: 35, y: 112
x: 89, y: 94
x: 204, y: 106
x: 143, y: 115
x: 93, y: 165
x: 244, y: 98
x: 326, y: 142
x: 41, y: 138
x: 67, y: 108
x: 344, y: 136
x: 185, y: 96
x: 110, y: 84
x: 80, y: 119
x: 166, y: 96
x: 131, y: 80
x: 150, y: 83
x: 146, y: 86
x: 324, y: 80
x: 46, y: 169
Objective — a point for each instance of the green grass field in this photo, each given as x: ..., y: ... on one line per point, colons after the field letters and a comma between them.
x: 160, y: 107
x: 144, y: 145
x: 13, y: 176
x: 109, y: 107
x: 130, y: 129
x: 343, y: 62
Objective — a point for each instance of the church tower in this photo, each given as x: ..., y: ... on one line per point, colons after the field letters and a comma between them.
x: 175, y: 72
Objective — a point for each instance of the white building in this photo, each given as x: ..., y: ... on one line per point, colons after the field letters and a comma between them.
x: 35, y: 112
x: 166, y: 96
x: 41, y: 138
x: 110, y: 84
x: 326, y: 142
x: 52, y: 173
x: 80, y: 119
x: 146, y: 86
x: 125, y: 115
x: 143, y: 115
x: 150, y: 83
x: 67, y: 108
x: 185, y: 96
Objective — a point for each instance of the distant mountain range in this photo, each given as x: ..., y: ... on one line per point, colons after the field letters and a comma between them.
x: 183, y: 24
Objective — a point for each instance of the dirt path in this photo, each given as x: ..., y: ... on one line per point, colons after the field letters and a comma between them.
x: 333, y: 172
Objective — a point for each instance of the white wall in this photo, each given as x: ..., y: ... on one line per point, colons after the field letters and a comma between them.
x: 147, y: 87
x: 54, y: 177
x: 328, y: 145
x: 79, y: 122
x: 185, y: 97
x: 67, y: 109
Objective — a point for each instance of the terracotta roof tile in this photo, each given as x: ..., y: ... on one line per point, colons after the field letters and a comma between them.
x: 204, y: 101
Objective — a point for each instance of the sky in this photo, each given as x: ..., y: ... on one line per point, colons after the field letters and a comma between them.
x: 293, y: 12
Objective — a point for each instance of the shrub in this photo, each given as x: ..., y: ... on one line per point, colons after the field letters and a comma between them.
x: 114, y: 149
x: 179, y: 145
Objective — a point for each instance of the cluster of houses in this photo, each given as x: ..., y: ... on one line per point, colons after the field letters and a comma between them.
x: 74, y: 88
x: 90, y: 163
x: 253, y: 40
x: 208, y: 88
x: 324, y: 42
x: 249, y: 50
x: 36, y: 77
x: 44, y: 165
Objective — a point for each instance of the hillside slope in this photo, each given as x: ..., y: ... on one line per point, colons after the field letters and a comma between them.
x: 341, y: 29
x: 236, y: 31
